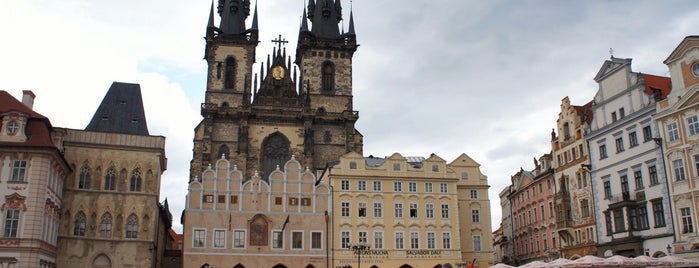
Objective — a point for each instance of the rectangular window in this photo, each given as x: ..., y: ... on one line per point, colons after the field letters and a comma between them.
x: 435, y: 168
x: 398, y: 210
x: 653, y: 175
x: 633, y: 219
x: 696, y: 163
x: 431, y: 244
x: 678, y: 167
x: 619, y: 144
x: 277, y: 200
x: 693, y: 125
x: 614, y: 117
x: 687, y: 226
x: 602, y: 151
x: 362, y: 209
x: 316, y: 240
x: 219, y: 238
x: 476, y: 216
x: 11, y: 223
x: 643, y: 218
x: 396, y: 166
x: 638, y: 179
x: 362, y: 237
x: 633, y: 140
x: 378, y: 210
x: 414, y: 240
x: 658, y: 213
x: 585, y: 208
x: 344, y: 185
x: 413, y: 210
x: 621, y: 113
x: 647, y: 134
x: 199, y: 238
x: 306, y: 201
x: 445, y: 211
x: 428, y: 187
x: 345, y: 209
x: 619, y: 222
x: 412, y: 187
x: 477, y: 243
x: 234, y: 199
x: 208, y: 198
x: 672, y: 133
x: 397, y: 186
x: 18, y: 170
x: 297, y: 240
x: 443, y: 188
x: 608, y: 221
x: 607, y: 190
x: 446, y: 240
x: 221, y: 199
x: 345, y: 239
x: 361, y: 186
x: 429, y: 211
x: 378, y: 186
x: 277, y: 240
x: 378, y: 240
x: 474, y: 194
x: 399, y: 240
x: 238, y: 239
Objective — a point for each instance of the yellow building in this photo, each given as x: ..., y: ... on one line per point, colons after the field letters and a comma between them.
x: 409, y: 212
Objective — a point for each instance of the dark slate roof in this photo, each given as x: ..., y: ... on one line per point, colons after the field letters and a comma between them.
x: 121, y: 111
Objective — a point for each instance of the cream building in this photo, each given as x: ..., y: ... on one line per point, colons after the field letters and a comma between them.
x: 677, y: 122
x: 409, y: 212
x: 32, y: 174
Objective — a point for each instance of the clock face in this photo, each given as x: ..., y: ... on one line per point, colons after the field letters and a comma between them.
x: 278, y: 72
x: 695, y: 69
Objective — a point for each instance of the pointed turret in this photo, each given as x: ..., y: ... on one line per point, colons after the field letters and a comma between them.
x: 210, y: 28
x: 325, y: 16
x: 351, y: 24
x: 254, y: 19
x: 304, y: 23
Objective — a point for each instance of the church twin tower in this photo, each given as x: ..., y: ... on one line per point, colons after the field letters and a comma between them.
x: 258, y: 121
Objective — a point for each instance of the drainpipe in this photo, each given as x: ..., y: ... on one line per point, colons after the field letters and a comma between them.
x: 659, y: 142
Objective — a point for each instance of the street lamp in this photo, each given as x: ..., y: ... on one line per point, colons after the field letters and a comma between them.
x: 358, y: 249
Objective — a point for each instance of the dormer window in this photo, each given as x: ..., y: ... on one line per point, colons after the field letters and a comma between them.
x: 695, y: 69
x: 12, y: 127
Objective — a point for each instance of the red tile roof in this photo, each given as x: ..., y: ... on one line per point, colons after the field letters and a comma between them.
x: 38, y: 128
x: 654, y: 82
x: 9, y: 103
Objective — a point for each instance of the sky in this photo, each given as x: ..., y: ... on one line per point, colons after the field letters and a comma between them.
x: 484, y: 78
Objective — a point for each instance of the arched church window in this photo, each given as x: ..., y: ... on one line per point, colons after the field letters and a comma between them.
x: 328, y: 79
x: 224, y: 152
x: 230, y: 73
x: 79, y: 224
x: 106, y: 225
x: 135, y: 181
x: 84, y: 180
x: 110, y: 179
x: 132, y: 226
x: 275, y: 152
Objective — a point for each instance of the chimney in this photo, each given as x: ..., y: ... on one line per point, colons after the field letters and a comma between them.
x: 28, y: 98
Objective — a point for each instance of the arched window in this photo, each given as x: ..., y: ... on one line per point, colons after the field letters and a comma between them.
x: 230, y: 73
x: 110, y: 179
x: 135, y: 181
x: 275, y: 152
x: 79, y: 224
x: 106, y: 225
x: 84, y: 180
x: 223, y: 152
x: 328, y: 76
x: 102, y: 261
x: 132, y: 226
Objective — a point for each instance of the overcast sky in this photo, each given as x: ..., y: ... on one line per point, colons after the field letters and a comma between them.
x: 483, y: 78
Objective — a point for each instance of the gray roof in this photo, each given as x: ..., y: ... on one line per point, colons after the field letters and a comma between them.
x: 121, y: 111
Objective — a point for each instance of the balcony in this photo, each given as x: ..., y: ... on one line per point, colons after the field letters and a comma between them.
x: 626, y: 198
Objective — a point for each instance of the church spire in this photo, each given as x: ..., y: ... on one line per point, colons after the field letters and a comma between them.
x: 304, y: 23
x: 351, y: 24
x: 233, y: 14
x: 325, y: 16
x: 254, y: 18
x: 211, y: 16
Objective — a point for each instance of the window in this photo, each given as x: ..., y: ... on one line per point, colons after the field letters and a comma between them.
x: 464, y: 175
x: 208, y: 198
x: 638, y: 179
x: 695, y: 69
x: 396, y: 166
x: 443, y: 188
x: 446, y: 240
x: 614, y: 117
x: 429, y: 211
x: 602, y: 151
x: 239, y: 239
x: 624, y: 186
x: 435, y: 168
x: 643, y: 217
x: 328, y: 78
x: 475, y: 216
x: 199, y: 239
x: 414, y: 240
x: 428, y: 187
x: 633, y: 140
x: 84, y: 179
x: 687, y: 226
x: 397, y: 186
x: 277, y: 240
x: 658, y: 213
x: 277, y: 200
x: 327, y: 137
x: 431, y: 244
x: 474, y: 194
x: 477, y: 243
x: 361, y: 186
x: 297, y: 240
x: 412, y: 187
x: 106, y: 225
x: 693, y: 125
x: 230, y: 73
x: 362, y: 237
x: 110, y: 180
x: 136, y: 181
x: 11, y: 223
x: 445, y: 211
x: 647, y: 134
x: 633, y: 219
x: 18, y: 170
x: 696, y: 162
x: 344, y: 185
x: 678, y: 167
x: 362, y: 209
x: 672, y: 133
x: 399, y: 240
x: 219, y: 238
x: 607, y: 190
x: 132, y: 226
x: 585, y: 208
x: 12, y: 127
x: 619, y: 224
x: 398, y: 210
x: 353, y: 165
x: 378, y: 240
x: 378, y: 186
x: 608, y: 221
x: 621, y: 113
x: 653, y: 174
x: 378, y: 210
x: 316, y: 240
x: 221, y: 199
x: 413, y: 210
x: 345, y: 209
x: 619, y: 145
x: 79, y: 225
